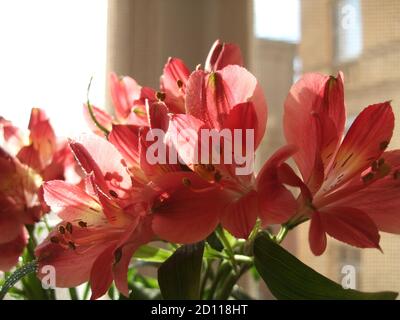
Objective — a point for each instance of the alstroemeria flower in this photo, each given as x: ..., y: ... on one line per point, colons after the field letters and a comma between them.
x: 346, y: 184
x: 221, y: 55
x: 25, y: 164
x: 228, y: 99
x: 129, y: 98
x: 173, y: 83
x: 12, y: 137
x: 19, y: 205
x: 94, y: 242
x: 179, y: 201
x: 103, y: 224
x: 213, y: 97
x: 176, y: 74
x: 100, y: 228
x: 42, y: 151
x: 131, y: 142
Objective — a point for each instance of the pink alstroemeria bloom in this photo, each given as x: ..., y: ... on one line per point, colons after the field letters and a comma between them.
x: 162, y: 190
x: 130, y: 99
x: 104, y: 224
x: 19, y: 205
x: 221, y: 55
x: 349, y: 184
x: 176, y: 74
x: 100, y: 230
x: 223, y: 100
x: 94, y: 242
x: 23, y: 168
x: 49, y: 156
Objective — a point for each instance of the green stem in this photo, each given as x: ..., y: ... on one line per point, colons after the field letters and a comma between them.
x: 73, y: 294
x: 282, y: 234
x: 255, y: 230
x: 46, y: 223
x: 31, y: 284
x: 228, y: 248
x: 111, y: 292
x: 248, y: 245
x: 52, y: 294
x: 230, y: 281
x: 91, y: 112
x: 227, y: 287
x: 32, y: 242
x: 242, y: 258
x: 86, y: 292
x: 16, y: 276
x: 224, y: 268
x: 292, y: 224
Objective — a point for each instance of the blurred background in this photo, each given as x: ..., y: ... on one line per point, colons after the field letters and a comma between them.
x: 51, y: 48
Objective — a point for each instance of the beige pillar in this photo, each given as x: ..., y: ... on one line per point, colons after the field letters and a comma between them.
x: 272, y: 64
x: 144, y: 33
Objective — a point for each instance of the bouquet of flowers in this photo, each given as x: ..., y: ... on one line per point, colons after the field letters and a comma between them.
x: 167, y: 181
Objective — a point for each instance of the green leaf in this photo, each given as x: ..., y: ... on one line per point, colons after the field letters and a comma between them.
x: 152, y: 254
x: 253, y: 271
x: 290, y: 279
x: 179, y: 276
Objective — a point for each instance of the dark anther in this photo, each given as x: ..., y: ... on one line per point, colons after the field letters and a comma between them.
x: 186, y: 182
x: 179, y: 83
x: 217, y: 176
x: 113, y: 193
x: 71, y: 245
x: 54, y: 239
x: 160, y: 96
x: 82, y: 224
x: 68, y: 227
x: 368, y: 177
x: 61, y: 229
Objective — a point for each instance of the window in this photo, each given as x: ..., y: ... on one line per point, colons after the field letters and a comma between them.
x: 348, y: 25
x: 277, y: 20
x: 48, y: 58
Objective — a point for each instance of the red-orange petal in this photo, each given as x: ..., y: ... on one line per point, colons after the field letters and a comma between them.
x: 240, y: 216
x: 316, y: 235
x: 276, y: 203
x: 366, y: 140
x: 221, y: 55
x: 351, y: 226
